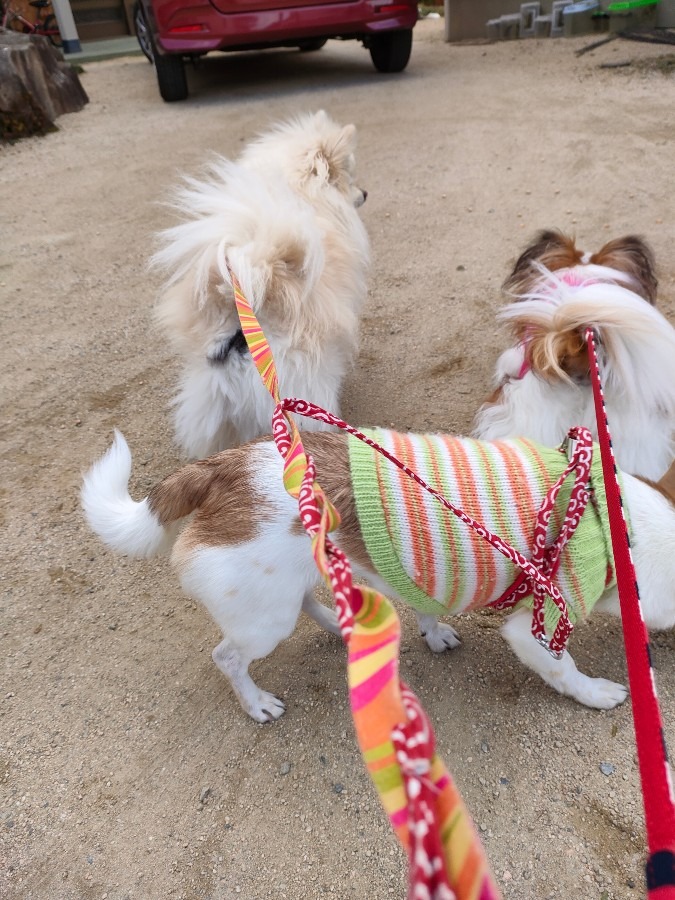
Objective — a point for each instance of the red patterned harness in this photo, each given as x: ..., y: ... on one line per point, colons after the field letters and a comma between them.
x: 547, y: 560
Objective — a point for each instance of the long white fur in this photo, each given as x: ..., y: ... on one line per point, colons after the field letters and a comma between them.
x: 637, y: 361
x: 255, y: 589
x: 232, y: 208
x: 285, y: 198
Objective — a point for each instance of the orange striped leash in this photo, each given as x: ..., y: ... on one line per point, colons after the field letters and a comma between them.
x: 447, y: 859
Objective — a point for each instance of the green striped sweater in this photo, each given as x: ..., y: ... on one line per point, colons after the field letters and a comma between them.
x: 438, y: 563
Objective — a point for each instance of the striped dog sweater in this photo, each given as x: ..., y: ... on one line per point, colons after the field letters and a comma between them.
x: 439, y: 564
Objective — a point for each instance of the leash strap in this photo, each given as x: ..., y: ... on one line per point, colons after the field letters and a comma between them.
x: 447, y: 860
x: 548, y: 559
x: 657, y: 788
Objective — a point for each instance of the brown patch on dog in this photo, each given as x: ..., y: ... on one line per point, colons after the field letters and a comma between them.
x: 550, y: 248
x: 219, y: 490
x: 665, y: 485
x: 632, y: 255
x: 495, y: 397
x: 558, y: 353
x: 331, y: 459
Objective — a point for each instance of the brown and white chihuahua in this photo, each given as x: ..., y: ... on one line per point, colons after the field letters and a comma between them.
x: 245, y: 556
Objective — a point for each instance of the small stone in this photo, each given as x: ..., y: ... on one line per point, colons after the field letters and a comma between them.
x: 607, y: 768
x: 285, y: 768
x: 338, y: 788
x: 204, y: 794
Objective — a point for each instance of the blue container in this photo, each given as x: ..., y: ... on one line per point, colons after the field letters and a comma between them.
x: 583, y: 6
x: 581, y: 18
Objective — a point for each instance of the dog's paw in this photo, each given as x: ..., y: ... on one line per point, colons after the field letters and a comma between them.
x: 599, y: 693
x: 441, y: 637
x: 266, y: 708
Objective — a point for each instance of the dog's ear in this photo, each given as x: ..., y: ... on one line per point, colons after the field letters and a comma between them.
x: 632, y: 255
x: 550, y: 248
x: 345, y: 141
x: 331, y: 159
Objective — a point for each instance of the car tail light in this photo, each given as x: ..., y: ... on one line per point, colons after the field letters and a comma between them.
x: 186, y: 29
x: 393, y: 8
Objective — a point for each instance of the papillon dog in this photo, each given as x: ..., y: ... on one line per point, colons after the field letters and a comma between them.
x: 542, y: 382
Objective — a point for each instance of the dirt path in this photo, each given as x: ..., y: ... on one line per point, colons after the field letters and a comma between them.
x: 126, y: 768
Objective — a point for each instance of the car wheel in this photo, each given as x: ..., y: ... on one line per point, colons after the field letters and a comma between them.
x: 171, y: 77
x: 142, y: 32
x: 390, y: 51
x: 310, y: 46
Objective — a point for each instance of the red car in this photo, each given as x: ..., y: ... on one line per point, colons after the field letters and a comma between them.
x: 171, y: 31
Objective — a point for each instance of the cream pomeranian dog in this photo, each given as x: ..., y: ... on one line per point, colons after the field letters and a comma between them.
x: 284, y: 216
x: 542, y: 382
x: 245, y: 556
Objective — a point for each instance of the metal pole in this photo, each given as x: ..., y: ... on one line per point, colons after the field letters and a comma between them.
x: 66, y: 23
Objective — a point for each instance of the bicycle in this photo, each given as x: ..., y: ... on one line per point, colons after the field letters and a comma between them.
x: 45, y: 25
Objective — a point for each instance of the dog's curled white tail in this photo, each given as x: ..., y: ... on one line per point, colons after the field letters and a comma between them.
x: 123, y: 524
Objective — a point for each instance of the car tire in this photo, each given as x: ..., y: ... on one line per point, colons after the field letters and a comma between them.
x: 390, y: 51
x: 171, y: 77
x: 310, y: 46
x: 143, y: 32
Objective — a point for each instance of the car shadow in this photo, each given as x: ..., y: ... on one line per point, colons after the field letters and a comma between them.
x: 275, y: 73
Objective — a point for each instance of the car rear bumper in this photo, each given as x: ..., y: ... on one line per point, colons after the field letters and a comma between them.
x: 200, y: 28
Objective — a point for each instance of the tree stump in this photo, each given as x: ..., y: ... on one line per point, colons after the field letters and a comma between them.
x: 36, y: 86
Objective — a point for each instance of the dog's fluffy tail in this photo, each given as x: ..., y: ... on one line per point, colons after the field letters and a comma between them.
x: 637, y: 342
x: 147, y: 527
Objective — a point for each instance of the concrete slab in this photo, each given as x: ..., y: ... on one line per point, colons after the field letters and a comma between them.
x: 93, y: 51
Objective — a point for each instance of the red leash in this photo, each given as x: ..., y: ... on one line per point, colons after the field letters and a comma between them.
x: 657, y: 791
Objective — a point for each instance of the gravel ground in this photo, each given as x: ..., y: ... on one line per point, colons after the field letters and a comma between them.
x: 127, y: 770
